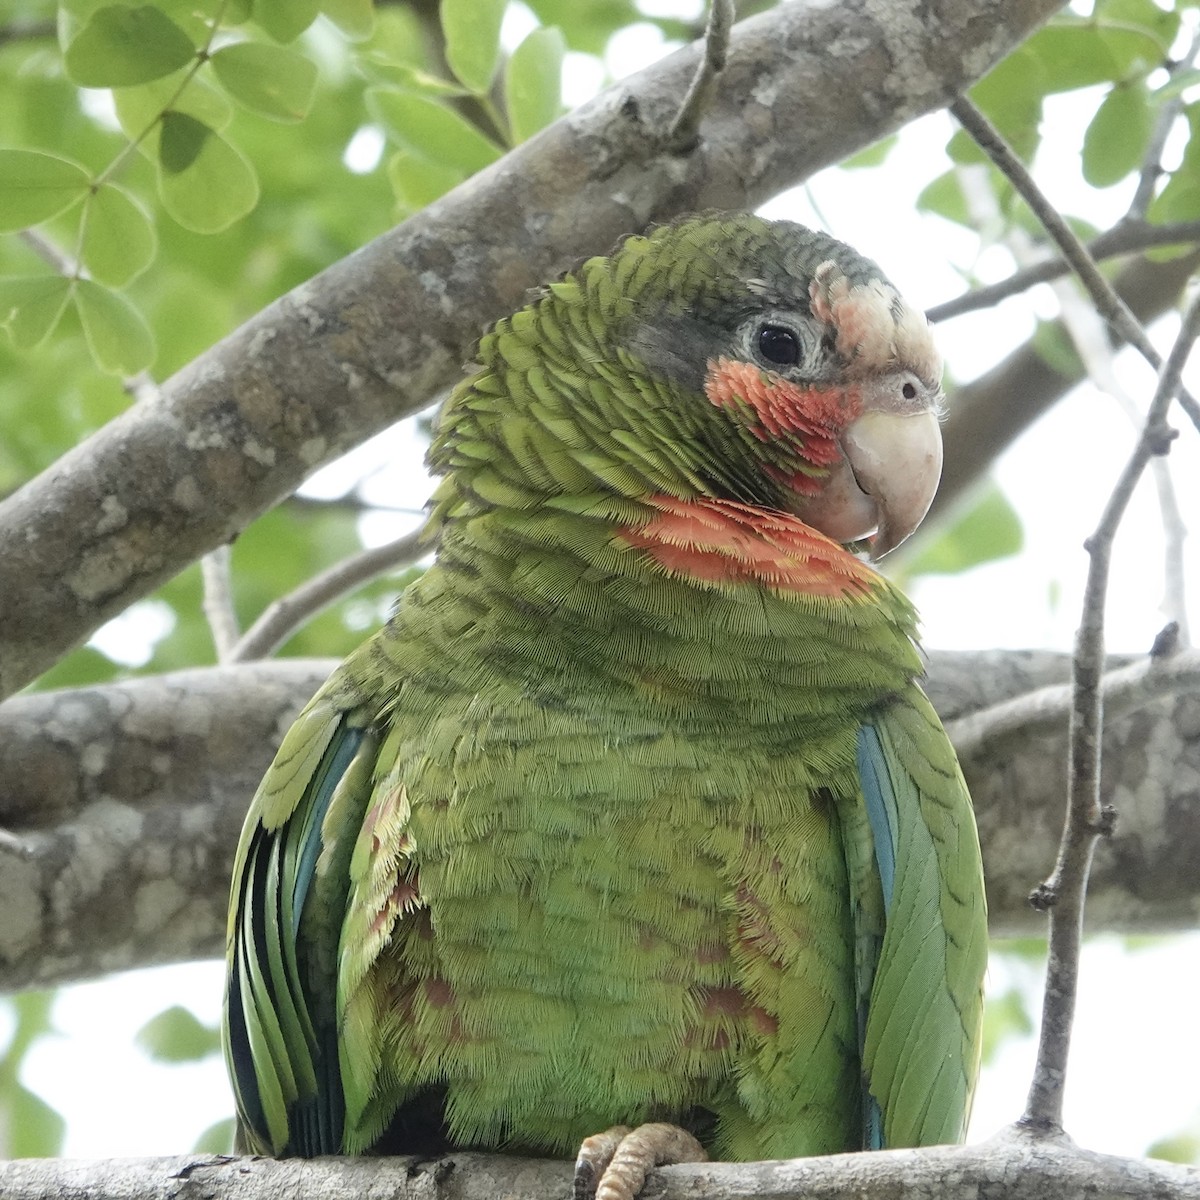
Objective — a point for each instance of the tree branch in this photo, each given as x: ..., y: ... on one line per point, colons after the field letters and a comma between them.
x: 123, y: 803
x: 283, y: 617
x: 1087, y: 819
x: 1109, y: 304
x: 1011, y: 1166
x: 989, y: 413
x: 684, y: 131
x: 379, y: 334
x: 1127, y: 237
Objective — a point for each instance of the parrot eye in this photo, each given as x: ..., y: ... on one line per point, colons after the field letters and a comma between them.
x: 778, y: 344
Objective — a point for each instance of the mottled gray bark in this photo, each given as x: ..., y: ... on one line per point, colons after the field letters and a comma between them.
x: 382, y: 332
x: 123, y: 805
x: 1012, y: 1166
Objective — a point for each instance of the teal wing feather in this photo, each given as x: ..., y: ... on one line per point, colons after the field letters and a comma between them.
x: 921, y: 929
x: 290, y: 885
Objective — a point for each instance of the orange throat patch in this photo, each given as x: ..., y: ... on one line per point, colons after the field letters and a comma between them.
x: 725, y: 542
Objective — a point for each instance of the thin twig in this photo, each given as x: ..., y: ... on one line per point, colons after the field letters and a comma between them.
x: 282, y: 618
x: 50, y: 253
x: 1111, y: 307
x: 1127, y: 237
x: 1096, y: 352
x: 1047, y: 709
x: 1165, y: 121
x: 1063, y: 893
x: 684, y: 131
x: 219, y: 612
x: 23, y: 31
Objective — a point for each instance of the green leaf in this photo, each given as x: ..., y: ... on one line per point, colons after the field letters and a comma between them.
x: 1115, y: 141
x: 141, y: 107
x: 1007, y: 1017
x: 268, y: 80
x: 205, y: 183
x: 1138, y: 32
x: 1055, y: 348
x: 944, y: 196
x: 118, y: 337
x: 432, y: 130
x: 118, y: 237
x: 217, y: 1138
x: 1073, y: 54
x: 413, y: 79
x: 1182, y: 1147
x: 989, y: 529
x: 121, y: 45
x: 31, y: 307
x: 1178, y: 84
x: 286, y: 20
x: 419, y: 181
x: 472, y: 32
x: 177, y: 1035
x: 872, y: 155
x: 355, y: 18
x: 1011, y: 95
x: 35, y: 1130
x: 533, y: 83
x: 35, y: 187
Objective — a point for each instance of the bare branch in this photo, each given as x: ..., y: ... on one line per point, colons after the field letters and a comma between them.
x: 991, y: 412
x: 20, y: 31
x: 283, y: 617
x: 1168, y: 112
x: 142, y: 786
x: 684, y: 131
x: 1128, y: 237
x: 1088, y: 332
x: 215, y: 571
x: 1110, y: 305
x: 1048, y: 708
x: 1063, y: 893
x: 379, y: 334
x: 1011, y: 1166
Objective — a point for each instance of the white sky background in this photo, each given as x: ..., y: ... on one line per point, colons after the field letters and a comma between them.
x: 1126, y: 1088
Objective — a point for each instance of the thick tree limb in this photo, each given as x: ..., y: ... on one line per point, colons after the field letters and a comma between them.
x: 122, y: 804
x: 1011, y: 1166
x: 379, y: 334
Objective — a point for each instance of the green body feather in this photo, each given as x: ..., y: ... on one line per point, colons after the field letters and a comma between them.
x: 577, y: 841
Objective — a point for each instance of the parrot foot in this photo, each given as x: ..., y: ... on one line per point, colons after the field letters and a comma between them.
x: 614, y: 1164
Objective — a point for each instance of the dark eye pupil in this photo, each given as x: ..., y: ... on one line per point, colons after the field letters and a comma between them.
x: 779, y: 345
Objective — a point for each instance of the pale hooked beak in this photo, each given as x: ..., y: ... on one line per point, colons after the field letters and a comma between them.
x: 892, y: 463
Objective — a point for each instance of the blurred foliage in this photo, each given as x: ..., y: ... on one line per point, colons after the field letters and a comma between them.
x: 29, y: 1127
x: 177, y: 1035
x: 168, y: 168
x: 987, y: 529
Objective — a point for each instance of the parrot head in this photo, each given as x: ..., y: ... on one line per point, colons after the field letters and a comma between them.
x: 823, y: 387
x: 724, y: 356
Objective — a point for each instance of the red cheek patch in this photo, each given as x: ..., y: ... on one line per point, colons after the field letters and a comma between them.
x: 808, y: 419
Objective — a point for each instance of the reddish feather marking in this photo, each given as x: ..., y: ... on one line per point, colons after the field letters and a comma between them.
x: 724, y: 541
x: 785, y: 409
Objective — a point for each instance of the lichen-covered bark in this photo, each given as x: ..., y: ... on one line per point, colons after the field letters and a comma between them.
x: 381, y: 333
x: 1012, y: 1166
x: 122, y: 806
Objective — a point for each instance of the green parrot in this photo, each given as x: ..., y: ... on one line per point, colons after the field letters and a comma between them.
x: 634, y: 814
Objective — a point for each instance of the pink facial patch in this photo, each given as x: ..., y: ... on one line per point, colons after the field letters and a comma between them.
x: 808, y: 419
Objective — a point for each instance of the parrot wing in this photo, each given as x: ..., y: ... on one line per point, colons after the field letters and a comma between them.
x: 919, y: 968
x: 291, y: 884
